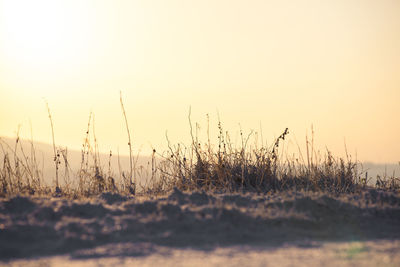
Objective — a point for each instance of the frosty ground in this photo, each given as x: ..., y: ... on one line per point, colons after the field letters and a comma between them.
x: 198, y: 228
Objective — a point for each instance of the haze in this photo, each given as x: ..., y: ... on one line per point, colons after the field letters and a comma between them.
x: 261, y: 64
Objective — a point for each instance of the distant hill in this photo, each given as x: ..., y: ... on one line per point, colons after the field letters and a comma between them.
x: 383, y: 170
x: 45, y: 155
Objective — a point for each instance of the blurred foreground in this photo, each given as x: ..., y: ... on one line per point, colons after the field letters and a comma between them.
x: 184, y: 227
x: 370, y: 253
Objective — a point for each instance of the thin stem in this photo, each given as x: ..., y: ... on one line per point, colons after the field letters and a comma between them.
x: 129, y: 144
x: 54, y: 144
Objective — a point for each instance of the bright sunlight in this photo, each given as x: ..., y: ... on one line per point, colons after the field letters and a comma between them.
x: 46, y: 36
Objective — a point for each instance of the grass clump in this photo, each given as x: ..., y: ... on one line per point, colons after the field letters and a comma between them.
x: 229, y: 168
x: 200, y: 166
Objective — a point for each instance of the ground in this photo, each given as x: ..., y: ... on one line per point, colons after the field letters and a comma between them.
x: 207, y: 229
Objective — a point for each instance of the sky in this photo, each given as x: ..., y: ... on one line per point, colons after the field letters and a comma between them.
x: 333, y: 65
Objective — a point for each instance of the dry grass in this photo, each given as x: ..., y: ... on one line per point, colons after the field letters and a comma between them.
x: 228, y: 168
x: 199, y: 166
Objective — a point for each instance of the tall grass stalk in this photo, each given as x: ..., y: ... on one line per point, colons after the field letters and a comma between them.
x: 56, y: 158
x: 132, y: 185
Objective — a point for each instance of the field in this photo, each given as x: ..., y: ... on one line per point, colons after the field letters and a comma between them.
x: 205, y: 203
x: 203, y: 228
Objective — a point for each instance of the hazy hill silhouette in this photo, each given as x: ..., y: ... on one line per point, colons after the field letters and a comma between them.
x: 45, y: 155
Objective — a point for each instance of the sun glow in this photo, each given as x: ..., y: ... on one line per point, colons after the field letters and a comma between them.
x: 45, y: 38
x: 332, y: 64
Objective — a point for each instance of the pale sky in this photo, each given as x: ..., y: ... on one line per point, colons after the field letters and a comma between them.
x: 331, y: 64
